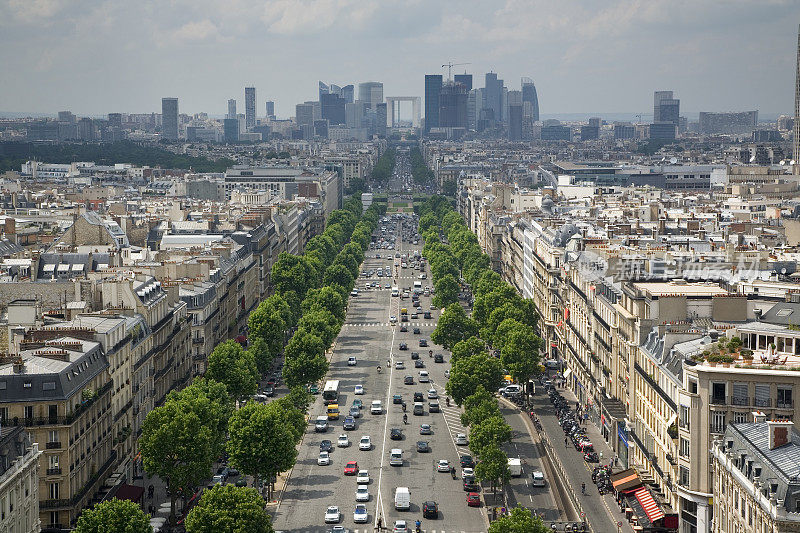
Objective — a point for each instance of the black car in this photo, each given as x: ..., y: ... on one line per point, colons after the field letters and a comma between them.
x: 397, y: 398
x: 426, y: 314
x: 423, y: 343
x: 423, y: 446
x: 404, y: 328
x: 418, y: 397
x: 396, y: 434
x: 408, y: 380
x: 403, y: 346
x: 430, y: 510
x: 269, y: 390
x: 416, y: 331
x: 470, y: 485
x: 438, y: 358
x: 419, y: 363
x: 325, y: 446
x: 414, y: 356
x: 466, y: 461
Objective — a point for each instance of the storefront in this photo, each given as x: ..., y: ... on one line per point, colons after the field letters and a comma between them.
x: 622, y: 445
x: 641, y: 508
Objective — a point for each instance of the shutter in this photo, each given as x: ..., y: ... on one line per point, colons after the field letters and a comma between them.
x: 740, y: 394
x: 762, y: 396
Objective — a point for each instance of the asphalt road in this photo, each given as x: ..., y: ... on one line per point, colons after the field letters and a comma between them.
x: 368, y: 335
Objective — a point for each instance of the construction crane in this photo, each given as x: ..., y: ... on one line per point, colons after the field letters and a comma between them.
x: 450, y: 68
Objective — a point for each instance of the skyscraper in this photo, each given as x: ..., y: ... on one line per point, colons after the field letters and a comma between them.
x: 515, y: 115
x: 665, y: 107
x: 348, y: 94
x: 332, y: 108
x: 270, y: 109
x: 354, y: 114
x: 464, y: 79
x: 493, y: 95
x: 529, y: 95
x: 453, y: 106
x: 231, y: 130
x: 249, y: 107
x: 231, y: 108
x: 371, y: 93
x: 433, y: 88
x: 169, y: 119
x: 380, y: 119
x: 304, y: 115
x: 796, y: 144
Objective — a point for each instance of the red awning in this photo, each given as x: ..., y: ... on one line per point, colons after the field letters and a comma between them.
x: 130, y: 492
x: 651, y: 508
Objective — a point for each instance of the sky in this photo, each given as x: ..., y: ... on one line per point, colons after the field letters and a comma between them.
x: 585, y: 56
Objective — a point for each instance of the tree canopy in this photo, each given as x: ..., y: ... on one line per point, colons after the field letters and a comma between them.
x: 229, y: 509
x: 519, y: 520
x: 235, y: 367
x: 114, y: 516
x: 453, y: 326
x: 470, y: 372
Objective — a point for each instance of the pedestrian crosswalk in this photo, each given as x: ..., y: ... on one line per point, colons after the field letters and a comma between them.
x: 386, y: 324
x: 452, y: 415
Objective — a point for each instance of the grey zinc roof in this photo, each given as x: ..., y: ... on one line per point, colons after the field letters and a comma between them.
x: 784, y: 460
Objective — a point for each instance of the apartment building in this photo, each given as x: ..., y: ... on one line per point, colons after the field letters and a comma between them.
x: 19, y: 481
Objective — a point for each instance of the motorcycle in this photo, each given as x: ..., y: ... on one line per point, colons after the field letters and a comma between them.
x: 379, y: 370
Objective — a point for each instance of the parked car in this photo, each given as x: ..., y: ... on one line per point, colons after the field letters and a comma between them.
x: 474, y: 499
x: 333, y: 515
x: 443, y: 465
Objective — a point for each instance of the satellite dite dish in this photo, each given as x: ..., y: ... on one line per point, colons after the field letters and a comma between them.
x: 673, y: 160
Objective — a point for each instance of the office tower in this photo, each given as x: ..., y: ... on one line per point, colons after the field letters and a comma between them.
x: 169, y: 119
x: 304, y: 115
x: 728, y: 123
x: 115, y: 120
x: 380, y: 119
x: 665, y: 107
x: 231, y: 109
x: 474, y: 101
x: 595, y: 122
x: 796, y: 125
x: 663, y: 131
x: 453, y: 106
x: 433, y: 88
x: 354, y: 114
x: 514, y: 115
x: 86, y: 129
x: 465, y: 80
x: 231, y: 130
x: 623, y: 131
x: 590, y: 133
x: 332, y: 107
x: 321, y: 128
x: 323, y: 89
x: 348, y: 94
x: 493, y: 95
x: 371, y: 93
x: 529, y: 95
x: 66, y: 116
x: 271, y: 109
x: 249, y: 107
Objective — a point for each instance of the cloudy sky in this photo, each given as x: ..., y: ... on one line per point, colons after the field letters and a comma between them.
x: 585, y: 56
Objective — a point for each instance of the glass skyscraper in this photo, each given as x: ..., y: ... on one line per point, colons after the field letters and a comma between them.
x: 433, y: 88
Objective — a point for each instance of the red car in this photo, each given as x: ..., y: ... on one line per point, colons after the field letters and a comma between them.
x: 474, y: 499
x: 351, y: 468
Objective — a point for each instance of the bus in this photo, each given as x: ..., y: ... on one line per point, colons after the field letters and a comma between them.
x: 330, y: 394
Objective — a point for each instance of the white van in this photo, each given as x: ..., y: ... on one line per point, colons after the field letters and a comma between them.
x: 396, y: 457
x: 423, y: 376
x: 376, y: 408
x: 402, y: 499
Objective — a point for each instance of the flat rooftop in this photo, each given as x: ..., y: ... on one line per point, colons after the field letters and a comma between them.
x: 660, y: 288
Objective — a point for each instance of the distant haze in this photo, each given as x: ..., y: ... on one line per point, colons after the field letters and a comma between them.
x: 585, y: 56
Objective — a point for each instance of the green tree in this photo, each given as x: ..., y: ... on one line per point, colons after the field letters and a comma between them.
x: 234, y: 366
x: 268, y: 322
x: 177, y: 446
x: 324, y: 244
x: 209, y: 400
x: 304, y: 344
x: 114, y: 516
x: 487, y: 282
x: 479, y: 406
x: 504, y: 331
x: 322, y: 323
x: 488, y: 432
x: 426, y: 222
x: 498, y: 315
x: 488, y: 302
x: 293, y: 273
x: 261, y: 444
x: 339, y: 274
x: 493, y: 467
x: 345, y: 218
x: 229, y: 509
x: 449, y: 188
x: 446, y: 292
x: 470, y: 372
x: 467, y: 348
x: 328, y: 298
x: 261, y: 354
x: 453, y: 326
x: 520, y: 353
x: 305, y: 359
x: 520, y: 520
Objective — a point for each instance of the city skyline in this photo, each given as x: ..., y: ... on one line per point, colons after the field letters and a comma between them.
x: 203, y: 63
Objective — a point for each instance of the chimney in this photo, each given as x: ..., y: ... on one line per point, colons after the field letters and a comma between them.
x: 780, y: 433
x: 759, y: 417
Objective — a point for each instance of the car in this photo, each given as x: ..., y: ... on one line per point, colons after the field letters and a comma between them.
x: 360, y: 514
x: 349, y: 423
x: 408, y: 380
x: 461, y: 440
x: 376, y: 408
x: 325, y: 446
x: 387, y: 286
x: 269, y: 390
x: 351, y: 468
x: 232, y: 472
x: 423, y: 343
x: 424, y: 377
x: 399, y: 365
x: 324, y: 459
x: 223, y: 471
x: 466, y: 461
x: 219, y: 479
x: 419, y: 363
x: 538, y: 479
x: 397, y: 398
x: 400, y: 527
x: 403, y: 346
x: 351, y: 361
x: 418, y: 396
x: 414, y: 356
x: 432, y: 394
x: 321, y: 424
x: 403, y: 329
x: 443, y: 465
x: 470, y: 485
x: 425, y: 429
x: 416, y: 331
x: 396, y: 434
x: 426, y: 314
x: 447, y: 374
x: 467, y: 472
x: 474, y: 499
x: 313, y: 388
x: 414, y: 316
x: 433, y: 406
x: 333, y: 515
x: 343, y: 441
x: 358, y: 403
x: 393, y: 319
x: 362, y: 493
x: 423, y: 446
x: 359, y: 389
x: 365, y: 444
x: 430, y: 510
x: 433, y: 307
x: 439, y: 358
x: 362, y: 476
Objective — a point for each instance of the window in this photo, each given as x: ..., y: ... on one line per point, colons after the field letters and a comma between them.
x: 49, y: 385
x: 3, y: 414
x: 54, y: 517
x: 684, y: 416
x: 28, y: 411
x: 785, y: 397
x: 683, y: 476
x: 718, y: 393
x: 53, y: 461
x: 54, y: 491
x: 762, y: 398
x: 717, y: 422
x: 740, y: 418
x: 52, y: 435
x: 684, y: 449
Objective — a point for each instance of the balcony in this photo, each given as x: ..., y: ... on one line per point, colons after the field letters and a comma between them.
x: 717, y: 428
x: 198, y: 340
x: 53, y: 445
x: 740, y: 400
x: 784, y: 404
x: 719, y: 400
x: 763, y: 402
x: 54, y: 471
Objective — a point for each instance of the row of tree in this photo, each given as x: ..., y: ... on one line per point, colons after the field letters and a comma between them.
x: 419, y: 170
x: 384, y: 166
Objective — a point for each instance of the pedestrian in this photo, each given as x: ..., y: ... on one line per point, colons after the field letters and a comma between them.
x: 566, y: 442
x: 616, y: 458
x: 380, y: 523
x: 583, y: 488
x: 601, y: 458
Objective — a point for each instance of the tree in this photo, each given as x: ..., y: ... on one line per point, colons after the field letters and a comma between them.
x: 261, y: 444
x: 520, y: 520
x: 322, y: 323
x: 498, y: 315
x: 520, y: 353
x: 234, y: 366
x: 177, y: 446
x: 261, y: 354
x: 467, y: 348
x: 504, y: 331
x: 229, y: 509
x: 210, y: 400
x: 293, y: 273
x: 304, y: 344
x: 453, y: 326
x: 488, y: 302
x: 487, y: 282
x: 355, y: 186
x: 493, y: 467
x: 479, y: 406
x: 470, y: 372
x: 304, y: 370
x: 449, y: 188
x: 488, y: 432
x: 339, y: 274
x: 113, y: 516
x: 328, y: 298
x: 324, y: 244
x: 446, y: 292
x: 269, y: 322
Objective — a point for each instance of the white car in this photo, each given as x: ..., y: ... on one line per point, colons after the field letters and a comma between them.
x: 433, y: 395
x: 538, y: 479
x: 359, y: 389
x: 365, y: 444
x: 399, y: 365
x: 362, y: 493
x: 424, y: 377
x: 324, y: 459
x: 360, y: 515
x: 393, y: 319
x: 362, y: 476
x: 343, y: 441
x: 333, y: 515
x: 467, y: 472
x: 443, y: 465
x: 400, y: 527
x: 351, y: 361
x: 461, y: 440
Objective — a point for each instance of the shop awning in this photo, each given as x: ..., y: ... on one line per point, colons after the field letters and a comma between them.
x: 625, y: 480
x: 651, y: 508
